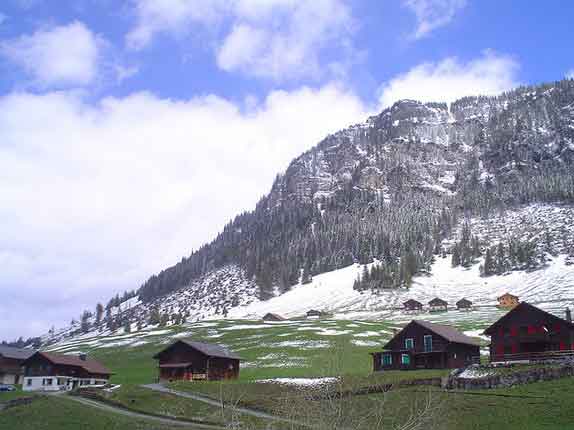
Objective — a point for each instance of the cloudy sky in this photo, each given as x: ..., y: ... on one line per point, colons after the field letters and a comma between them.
x: 131, y: 131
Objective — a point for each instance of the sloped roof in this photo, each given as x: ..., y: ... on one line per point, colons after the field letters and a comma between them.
x: 507, y: 295
x: 272, y: 315
x: 412, y: 302
x: 15, y: 353
x: 437, y: 302
x: 519, y: 307
x: 464, y: 302
x: 89, y: 364
x: 209, y: 349
x: 447, y: 332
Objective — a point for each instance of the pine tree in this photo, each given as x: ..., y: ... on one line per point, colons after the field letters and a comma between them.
x: 99, y: 313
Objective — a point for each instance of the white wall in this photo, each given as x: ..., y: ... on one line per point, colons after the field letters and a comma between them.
x: 40, y: 383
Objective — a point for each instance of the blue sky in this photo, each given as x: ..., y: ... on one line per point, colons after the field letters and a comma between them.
x: 130, y: 132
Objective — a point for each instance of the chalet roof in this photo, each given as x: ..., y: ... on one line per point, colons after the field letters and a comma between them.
x: 412, y: 302
x: 447, y: 332
x: 15, y: 353
x: 314, y: 312
x: 463, y: 302
x: 209, y: 349
x: 521, y: 306
x: 437, y: 302
x: 272, y: 315
x: 507, y: 295
x: 89, y: 365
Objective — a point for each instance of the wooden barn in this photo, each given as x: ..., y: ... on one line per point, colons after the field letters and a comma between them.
x: 46, y: 371
x: 188, y: 361
x: 529, y: 333
x: 464, y: 304
x: 273, y: 317
x: 425, y: 345
x: 508, y: 300
x: 438, y: 305
x: 11, y: 364
x: 412, y: 305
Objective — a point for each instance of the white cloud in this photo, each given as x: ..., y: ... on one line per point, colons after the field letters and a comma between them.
x: 433, y: 14
x: 96, y: 198
x: 66, y: 55
x: 276, y: 39
x: 451, y: 79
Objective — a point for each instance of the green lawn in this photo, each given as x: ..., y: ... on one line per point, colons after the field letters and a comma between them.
x: 55, y: 413
x: 10, y: 395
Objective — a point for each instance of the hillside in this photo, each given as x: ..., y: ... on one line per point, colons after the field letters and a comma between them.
x: 470, y: 199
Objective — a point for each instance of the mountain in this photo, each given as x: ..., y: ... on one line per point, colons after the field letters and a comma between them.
x: 483, y: 186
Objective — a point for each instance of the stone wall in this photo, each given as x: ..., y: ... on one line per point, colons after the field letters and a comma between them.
x: 509, y: 379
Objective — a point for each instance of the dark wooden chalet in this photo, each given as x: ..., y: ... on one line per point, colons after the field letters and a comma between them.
x: 529, y: 333
x: 464, y: 304
x: 438, y: 305
x: 313, y: 313
x: 425, y: 345
x: 273, y: 317
x: 47, y: 371
x: 11, y: 364
x: 188, y: 360
x: 412, y: 305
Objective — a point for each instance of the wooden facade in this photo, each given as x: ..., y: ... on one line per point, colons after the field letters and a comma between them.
x: 464, y: 304
x: 508, y: 300
x: 186, y: 360
x: 11, y: 364
x: 412, y: 305
x: 529, y: 333
x: 313, y: 313
x: 425, y: 345
x: 438, y: 305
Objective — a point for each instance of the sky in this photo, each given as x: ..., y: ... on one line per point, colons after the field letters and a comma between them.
x: 132, y: 131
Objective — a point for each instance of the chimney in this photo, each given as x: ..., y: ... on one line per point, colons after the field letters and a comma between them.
x: 568, y: 315
x: 82, y: 356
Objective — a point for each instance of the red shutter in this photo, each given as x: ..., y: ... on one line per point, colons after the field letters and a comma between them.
x: 500, y: 349
x: 531, y: 329
x: 513, y: 331
x: 562, y: 346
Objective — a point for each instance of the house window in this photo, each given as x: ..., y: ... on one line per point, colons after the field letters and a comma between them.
x: 29, y: 382
x: 47, y: 381
x: 61, y: 381
x: 409, y: 343
x: 405, y: 359
x: 387, y: 359
x: 428, y: 342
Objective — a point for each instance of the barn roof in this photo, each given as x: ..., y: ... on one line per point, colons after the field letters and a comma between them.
x: 272, y: 315
x: 88, y: 364
x: 463, y: 302
x: 437, y: 302
x: 507, y: 295
x: 412, y: 302
x: 209, y: 349
x: 520, y: 307
x: 15, y: 353
x: 447, y: 332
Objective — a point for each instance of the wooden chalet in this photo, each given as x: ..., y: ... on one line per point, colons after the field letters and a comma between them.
x: 11, y: 364
x: 438, y: 305
x: 464, y: 304
x: 46, y: 371
x: 412, y: 305
x: 273, y: 317
x: 313, y: 313
x: 529, y: 333
x: 188, y: 361
x: 508, y: 300
x: 425, y: 345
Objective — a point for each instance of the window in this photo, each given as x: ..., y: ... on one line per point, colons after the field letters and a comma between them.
x: 387, y: 359
x: 409, y: 343
x: 29, y: 382
x: 47, y: 381
x: 428, y: 342
x: 61, y: 381
x: 405, y: 359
